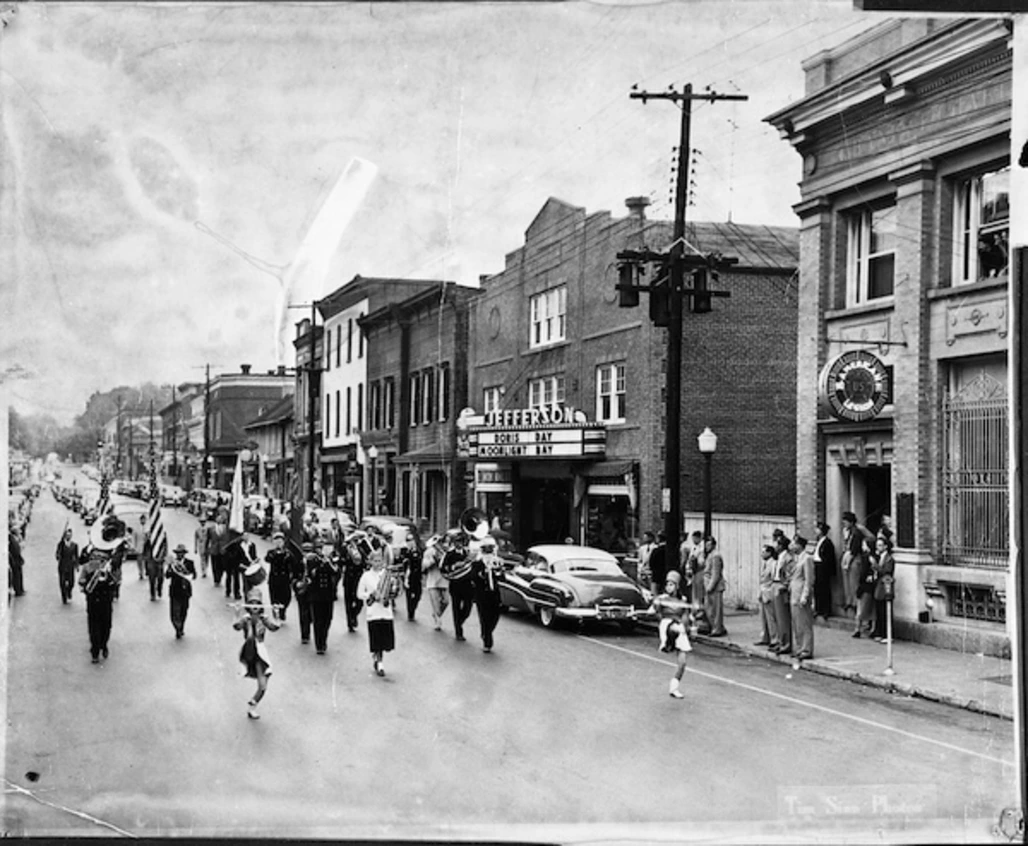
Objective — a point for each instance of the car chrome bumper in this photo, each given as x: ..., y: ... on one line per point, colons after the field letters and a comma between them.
x: 600, y: 612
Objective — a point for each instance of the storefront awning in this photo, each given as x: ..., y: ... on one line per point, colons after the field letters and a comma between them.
x: 600, y: 469
x: 431, y: 454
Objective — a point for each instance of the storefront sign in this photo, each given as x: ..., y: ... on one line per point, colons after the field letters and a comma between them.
x: 855, y: 385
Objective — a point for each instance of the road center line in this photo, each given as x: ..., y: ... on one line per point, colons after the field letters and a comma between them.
x: 16, y: 788
x: 794, y: 700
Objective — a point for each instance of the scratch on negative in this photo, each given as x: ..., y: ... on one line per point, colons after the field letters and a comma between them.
x: 15, y: 788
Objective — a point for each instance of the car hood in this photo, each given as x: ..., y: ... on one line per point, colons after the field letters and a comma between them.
x: 591, y: 588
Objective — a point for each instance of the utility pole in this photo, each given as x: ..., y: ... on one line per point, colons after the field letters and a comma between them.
x: 205, y: 481
x: 174, y: 436
x: 117, y: 464
x: 666, y: 302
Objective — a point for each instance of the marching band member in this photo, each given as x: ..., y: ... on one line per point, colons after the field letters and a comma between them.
x: 673, y: 612
x: 180, y: 569
x: 352, y: 562
x: 378, y: 589
x: 254, y: 656
x: 434, y: 582
x: 67, y: 564
x: 301, y: 588
x: 487, y: 591
x: 100, y: 578
x: 280, y: 568
x: 411, y: 559
x: 324, y: 577
x: 456, y: 566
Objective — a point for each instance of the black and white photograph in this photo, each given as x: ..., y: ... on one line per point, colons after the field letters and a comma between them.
x: 520, y: 422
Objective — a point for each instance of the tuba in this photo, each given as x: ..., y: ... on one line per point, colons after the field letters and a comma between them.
x: 474, y: 522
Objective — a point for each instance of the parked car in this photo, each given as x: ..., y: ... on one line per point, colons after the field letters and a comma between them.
x: 563, y: 581
x: 173, y: 496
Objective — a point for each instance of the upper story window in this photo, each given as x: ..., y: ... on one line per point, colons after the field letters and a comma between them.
x: 548, y: 314
x: 444, y: 392
x: 871, y: 255
x: 360, y: 337
x: 339, y: 342
x: 546, y: 391
x: 388, y: 402
x: 328, y: 350
x: 415, y: 398
x: 491, y: 399
x: 349, y: 340
x: 375, y: 406
x: 981, y: 220
x: 610, y: 393
x: 428, y: 397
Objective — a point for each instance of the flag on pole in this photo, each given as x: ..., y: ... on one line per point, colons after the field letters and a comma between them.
x: 235, y: 514
x: 103, y: 506
x: 154, y: 524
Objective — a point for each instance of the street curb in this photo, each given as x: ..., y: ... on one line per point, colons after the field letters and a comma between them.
x: 814, y: 666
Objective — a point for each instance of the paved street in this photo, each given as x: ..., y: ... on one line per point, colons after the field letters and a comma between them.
x: 557, y: 734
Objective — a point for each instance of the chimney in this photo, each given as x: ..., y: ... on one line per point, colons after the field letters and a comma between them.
x: 637, y: 207
x: 245, y: 368
x: 281, y: 370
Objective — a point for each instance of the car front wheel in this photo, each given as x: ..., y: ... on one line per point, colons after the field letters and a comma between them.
x: 546, y: 616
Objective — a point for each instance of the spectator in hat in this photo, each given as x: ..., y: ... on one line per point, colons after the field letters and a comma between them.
x: 854, y: 557
x: 824, y: 571
x: 768, y: 624
x: 179, y: 571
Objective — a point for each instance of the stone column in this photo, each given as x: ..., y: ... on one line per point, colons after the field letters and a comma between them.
x: 914, y: 392
x: 814, y: 280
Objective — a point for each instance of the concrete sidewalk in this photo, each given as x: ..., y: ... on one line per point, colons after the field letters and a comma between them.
x: 965, y: 680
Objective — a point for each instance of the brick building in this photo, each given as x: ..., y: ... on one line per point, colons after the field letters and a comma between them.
x: 344, y: 378
x: 417, y: 376
x: 904, y: 137
x: 548, y: 338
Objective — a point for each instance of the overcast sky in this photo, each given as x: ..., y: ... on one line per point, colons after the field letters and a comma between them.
x: 133, y: 131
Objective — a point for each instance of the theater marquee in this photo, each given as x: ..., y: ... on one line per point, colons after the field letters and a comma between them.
x: 527, y: 433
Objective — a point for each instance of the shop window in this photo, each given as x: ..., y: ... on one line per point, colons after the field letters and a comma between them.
x: 975, y: 474
x: 546, y: 391
x: 871, y: 254
x: 981, y: 219
x: 548, y: 317
x: 491, y: 398
x: 610, y: 393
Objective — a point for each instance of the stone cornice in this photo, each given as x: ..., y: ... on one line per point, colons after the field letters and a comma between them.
x: 917, y: 61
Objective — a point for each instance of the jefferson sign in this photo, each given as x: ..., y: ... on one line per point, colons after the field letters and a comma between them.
x: 544, y: 432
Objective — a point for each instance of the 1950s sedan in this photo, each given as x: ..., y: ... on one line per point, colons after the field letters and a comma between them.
x: 562, y: 581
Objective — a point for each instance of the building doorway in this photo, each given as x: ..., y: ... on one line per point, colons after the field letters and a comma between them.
x: 870, y: 493
x: 545, y: 511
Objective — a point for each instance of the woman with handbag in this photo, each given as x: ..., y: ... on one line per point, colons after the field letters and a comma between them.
x: 884, y: 567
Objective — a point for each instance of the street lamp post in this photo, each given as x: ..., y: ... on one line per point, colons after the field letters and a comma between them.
x: 707, y: 441
x: 372, y: 452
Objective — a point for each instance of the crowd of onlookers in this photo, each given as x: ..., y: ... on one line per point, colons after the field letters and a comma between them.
x: 19, y: 515
x: 795, y: 582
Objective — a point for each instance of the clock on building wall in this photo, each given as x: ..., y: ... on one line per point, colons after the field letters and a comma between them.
x: 494, y: 322
x: 855, y: 385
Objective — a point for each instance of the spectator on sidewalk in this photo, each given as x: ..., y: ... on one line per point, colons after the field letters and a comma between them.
x: 15, y: 561
x: 865, y: 581
x: 766, y: 598
x: 824, y: 570
x: 781, y: 578
x: 801, y: 588
x: 884, y: 567
x: 658, y: 564
x: 854, y: 535
x: 714, y: 587
x: 693, y: 569
x: 645, y: 548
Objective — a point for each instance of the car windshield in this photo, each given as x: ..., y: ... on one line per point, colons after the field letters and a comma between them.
x: 586, y: 565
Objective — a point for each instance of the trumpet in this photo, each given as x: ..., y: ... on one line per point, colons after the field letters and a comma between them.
x: 101, y: 573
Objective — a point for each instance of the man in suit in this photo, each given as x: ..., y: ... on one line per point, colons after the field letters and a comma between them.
x: 781, y: 578
x: 217, y: 542
x: 801, y: 589
x: 768, y: 624
x: 714, y: 585
x: 824, y: 569
x: 67, y: 564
